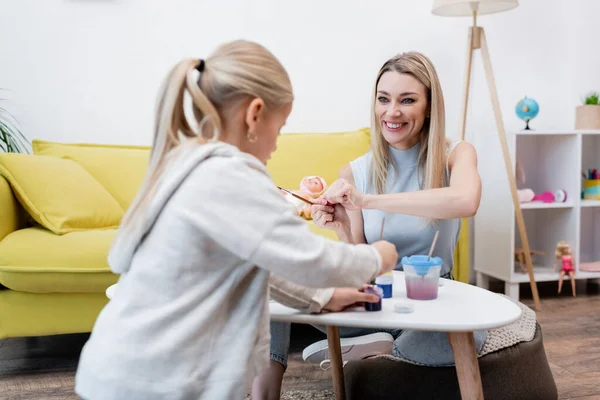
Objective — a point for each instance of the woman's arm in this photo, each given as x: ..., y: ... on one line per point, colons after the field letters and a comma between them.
x: 347, y: 224
x: 356, y: 232
x: 460, y: 199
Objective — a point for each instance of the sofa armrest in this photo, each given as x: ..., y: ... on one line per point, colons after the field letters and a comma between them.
x: 11, y: 213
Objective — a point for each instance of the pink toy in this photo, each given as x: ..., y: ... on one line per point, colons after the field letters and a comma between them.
x: 311, y: 187
x: 546, y: 197
x: 527, y: 195
x: 564, y: 254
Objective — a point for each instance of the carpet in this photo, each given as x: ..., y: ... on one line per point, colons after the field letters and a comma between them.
x: 308, y: 394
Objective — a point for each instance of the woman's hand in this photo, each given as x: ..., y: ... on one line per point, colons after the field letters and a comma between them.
x: 344, y: 193
x: 347, y: 297
x: 330, y: 217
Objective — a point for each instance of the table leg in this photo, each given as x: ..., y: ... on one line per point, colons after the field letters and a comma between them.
x: 467, y: 367
x: 335, y: 356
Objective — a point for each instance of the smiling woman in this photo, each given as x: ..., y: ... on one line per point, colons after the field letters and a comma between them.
x: 416, y: 180
x: 409, y: 109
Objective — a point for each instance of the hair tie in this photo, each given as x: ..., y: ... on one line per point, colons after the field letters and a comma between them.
x: 200, y: 66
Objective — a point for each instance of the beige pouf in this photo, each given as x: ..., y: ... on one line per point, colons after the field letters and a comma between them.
x: 513, y: 366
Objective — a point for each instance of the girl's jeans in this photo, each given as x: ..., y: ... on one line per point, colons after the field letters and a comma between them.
x: 429, y: 348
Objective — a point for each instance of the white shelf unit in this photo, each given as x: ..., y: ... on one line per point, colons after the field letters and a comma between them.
x: 551, y: 160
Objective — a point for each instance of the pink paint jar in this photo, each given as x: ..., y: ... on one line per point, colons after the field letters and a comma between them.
x: 422, y: 275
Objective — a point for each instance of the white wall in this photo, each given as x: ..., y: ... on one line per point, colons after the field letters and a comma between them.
x: 89, y: 70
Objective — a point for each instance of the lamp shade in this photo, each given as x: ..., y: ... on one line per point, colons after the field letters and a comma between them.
x: 464, y: 8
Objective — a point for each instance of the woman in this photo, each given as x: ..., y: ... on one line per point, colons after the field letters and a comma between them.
x: 196, y: 248
x: 415, y: 179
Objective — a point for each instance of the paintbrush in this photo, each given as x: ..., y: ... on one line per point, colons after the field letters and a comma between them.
x: 302, y: 198
x: 433, y: 244
x: 380, y: 238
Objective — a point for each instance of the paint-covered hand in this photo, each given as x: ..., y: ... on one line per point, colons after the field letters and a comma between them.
x: 330, y: 217
x: 344, y: 193
x: 349, y: 297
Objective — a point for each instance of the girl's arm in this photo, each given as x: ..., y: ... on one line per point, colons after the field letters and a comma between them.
x: 316, y: 300
x: 234, y: 203
x: 460, y: 199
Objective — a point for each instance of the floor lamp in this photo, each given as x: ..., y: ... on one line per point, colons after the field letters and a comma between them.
x: 472, y: 8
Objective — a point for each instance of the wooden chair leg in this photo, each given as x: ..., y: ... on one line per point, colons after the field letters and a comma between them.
x: 335, y: 355
x: 467, y: 366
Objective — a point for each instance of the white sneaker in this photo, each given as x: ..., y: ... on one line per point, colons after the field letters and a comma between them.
x: 356, y: 348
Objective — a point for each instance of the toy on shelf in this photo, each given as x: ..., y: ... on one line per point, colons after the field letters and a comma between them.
x: 520, y: 257
x: 311, y: 187
x: 527, y: 195
x: 591, y: 185
x: 593, y: 266
x: 564, y: 254
x: 527, y: 109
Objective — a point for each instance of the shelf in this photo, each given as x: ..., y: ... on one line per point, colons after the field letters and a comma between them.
x: 543, y: 133
x: 590, y: 203
x: 545, y: 274
x: 543, y: 159
x: 589, y: 250
x: 557, y: 132
x: 550, y: 160
x: 541, y: 274
x: 536, y: 205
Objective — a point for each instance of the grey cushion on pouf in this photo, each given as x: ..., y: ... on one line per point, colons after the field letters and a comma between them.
x: 517, y: 372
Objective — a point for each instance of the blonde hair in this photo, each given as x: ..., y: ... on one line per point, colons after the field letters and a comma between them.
x: 562, y: 249
x: 235, y: 72
x: 432, y: 155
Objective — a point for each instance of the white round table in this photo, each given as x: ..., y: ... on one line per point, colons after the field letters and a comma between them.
x: 110, y: 291
x: 459, y: 310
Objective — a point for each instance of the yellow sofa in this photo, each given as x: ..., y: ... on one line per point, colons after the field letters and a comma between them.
x: 60, y: 207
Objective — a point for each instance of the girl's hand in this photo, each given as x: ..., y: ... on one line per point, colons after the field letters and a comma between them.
x: 348, y: 297
x: 346, y: 194
x: 330, y: 217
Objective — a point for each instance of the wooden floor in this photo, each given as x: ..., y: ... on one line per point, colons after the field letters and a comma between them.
x: 44, y: 368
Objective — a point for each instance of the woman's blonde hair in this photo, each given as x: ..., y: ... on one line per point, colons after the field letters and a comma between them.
x: 432, y: 155
x: 234, y: 73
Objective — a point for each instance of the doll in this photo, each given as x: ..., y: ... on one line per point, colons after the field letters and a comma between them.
x: 311, y: 187
x: 564, y: 254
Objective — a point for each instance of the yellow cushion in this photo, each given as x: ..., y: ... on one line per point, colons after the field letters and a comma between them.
x: 36, y: 260
x: 10, y: 211
x: 59, y: 194
x: 323, y: 154
x: 120, y: 169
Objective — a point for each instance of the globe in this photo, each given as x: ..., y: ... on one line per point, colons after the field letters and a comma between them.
x: 527, y: 109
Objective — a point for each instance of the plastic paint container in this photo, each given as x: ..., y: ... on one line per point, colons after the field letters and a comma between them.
x: 422, y: 275
x: 374, y: 306
x: 386, y: 282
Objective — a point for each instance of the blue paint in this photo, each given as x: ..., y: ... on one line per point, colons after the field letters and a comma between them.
x: 387, y: 290
x: 374, y: 306
x: 385, y: 282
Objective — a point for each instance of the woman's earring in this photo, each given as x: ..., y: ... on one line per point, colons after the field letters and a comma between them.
x: 252, y: 137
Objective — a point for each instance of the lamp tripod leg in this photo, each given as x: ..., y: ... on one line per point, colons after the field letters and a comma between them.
x: 467, y: 84
x: 487, y: 65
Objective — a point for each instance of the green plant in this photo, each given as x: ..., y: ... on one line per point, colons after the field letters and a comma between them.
x: 12, y: 139
x: 592, y: 98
